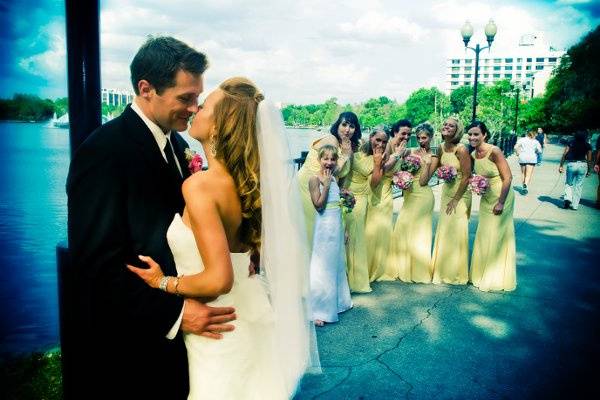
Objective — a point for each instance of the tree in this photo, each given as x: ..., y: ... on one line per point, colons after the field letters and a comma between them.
x: 461, y: 98
x: 424, y: 103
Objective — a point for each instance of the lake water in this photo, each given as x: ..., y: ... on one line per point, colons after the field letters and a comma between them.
x: 33, y: 219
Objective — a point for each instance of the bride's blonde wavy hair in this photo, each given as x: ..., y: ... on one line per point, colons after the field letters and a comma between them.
x: 237, y: 147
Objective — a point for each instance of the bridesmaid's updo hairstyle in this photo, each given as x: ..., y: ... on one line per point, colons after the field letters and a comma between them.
x: 236, y: 146
x: 460, y: 130
x: 425, y: 127
x: 479, y: 124
x: 351, y: 118
x: 330, y: 150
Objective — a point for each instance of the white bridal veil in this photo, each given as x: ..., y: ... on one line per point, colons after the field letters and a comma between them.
x: 284, y: 257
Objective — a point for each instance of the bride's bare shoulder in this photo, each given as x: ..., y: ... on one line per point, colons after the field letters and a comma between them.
x: 206, y: 184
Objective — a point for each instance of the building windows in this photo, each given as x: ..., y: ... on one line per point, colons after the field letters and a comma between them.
x: 468, y: 61
x: 508, y: 76
x: 468, y: 68
x: 497, y: 60
x: 539, y: 59
x: 508, y: 68
x: 508, y: 60
x: 539, y: 67
x: 496, y: 75
x: 518, y: 75
x: 529, y: 75
x: 454, y: 83
x: 528, y: 68
x: 486, y: 75
x: 454, y: 69
x: 455, y: 61
x: 529, y: 59
x: 552, y: 59
x: 497, y: 68
x: 519, y: 67
x: 519, y: 60
x: 455, y: 76
x: 467, y: 83
x: 467, y: 76
x: 487, y: 61
x: 486, y: 68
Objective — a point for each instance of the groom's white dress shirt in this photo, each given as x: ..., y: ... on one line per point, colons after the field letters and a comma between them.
x: 161, y: 141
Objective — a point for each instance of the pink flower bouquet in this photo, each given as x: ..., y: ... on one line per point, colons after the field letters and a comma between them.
x: 479, y: 184
x: 411, y: 163
x: 447, y: 173
x: 403, y: 180
x: 194, y: 160
x: 347, y: 200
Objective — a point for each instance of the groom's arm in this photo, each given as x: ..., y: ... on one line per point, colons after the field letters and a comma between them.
x: 101, y: 245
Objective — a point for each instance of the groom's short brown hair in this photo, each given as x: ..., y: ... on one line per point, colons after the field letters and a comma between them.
x: 159, y: 60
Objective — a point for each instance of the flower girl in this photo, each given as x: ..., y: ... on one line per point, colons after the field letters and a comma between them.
x: 330, y: 293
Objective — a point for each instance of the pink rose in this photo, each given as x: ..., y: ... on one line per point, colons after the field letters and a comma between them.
x: 195, y: 164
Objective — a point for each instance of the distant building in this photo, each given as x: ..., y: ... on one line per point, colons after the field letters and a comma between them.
x: 529, y: 64
x: 116, y: 97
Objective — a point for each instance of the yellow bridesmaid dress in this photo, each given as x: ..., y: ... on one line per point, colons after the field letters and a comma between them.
x: 410, y: 250
x: 450, y: 255
x: 357, y: 181
x: 493, y: 263
x: 378, y: 229
x: 310, y: 168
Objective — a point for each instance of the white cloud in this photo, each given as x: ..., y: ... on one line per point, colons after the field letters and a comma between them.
x: 50, y: 63
x: 307, y: 51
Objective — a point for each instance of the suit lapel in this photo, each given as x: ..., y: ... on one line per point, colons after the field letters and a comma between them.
x: 179, y: 144
x: 145, y: 142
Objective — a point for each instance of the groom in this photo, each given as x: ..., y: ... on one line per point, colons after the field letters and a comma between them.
x: 124, y: 187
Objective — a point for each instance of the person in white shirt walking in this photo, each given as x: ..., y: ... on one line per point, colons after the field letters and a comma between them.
x: 527, y: 149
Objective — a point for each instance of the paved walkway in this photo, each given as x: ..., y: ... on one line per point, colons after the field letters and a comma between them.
x: 419, y: 341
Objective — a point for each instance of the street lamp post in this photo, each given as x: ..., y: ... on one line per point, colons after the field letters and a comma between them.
x: 467, y: 33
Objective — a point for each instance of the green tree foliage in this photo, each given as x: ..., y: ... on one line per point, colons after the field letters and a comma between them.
x: 61, y: 106
x: 573, y: 93
x: 461, y: 98
x: 26, y: 107
x: 424, y: 104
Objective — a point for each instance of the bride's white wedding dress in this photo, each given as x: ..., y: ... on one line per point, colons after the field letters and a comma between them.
x: 244, y: 364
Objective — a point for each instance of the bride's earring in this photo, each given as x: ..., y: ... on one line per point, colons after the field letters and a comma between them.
x: 212, y: 145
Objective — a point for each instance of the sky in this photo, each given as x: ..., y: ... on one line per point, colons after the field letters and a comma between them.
x: 296, y: 51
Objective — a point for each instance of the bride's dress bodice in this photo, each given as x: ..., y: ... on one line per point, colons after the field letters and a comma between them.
x: 232, y: 367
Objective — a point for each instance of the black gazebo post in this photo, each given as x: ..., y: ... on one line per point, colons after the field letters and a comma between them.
x: 83, y: 71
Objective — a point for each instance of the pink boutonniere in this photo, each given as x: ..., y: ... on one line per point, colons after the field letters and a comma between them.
x: 194, y: 160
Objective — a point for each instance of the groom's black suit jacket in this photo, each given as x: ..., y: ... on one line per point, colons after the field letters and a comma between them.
x: 122, y: 197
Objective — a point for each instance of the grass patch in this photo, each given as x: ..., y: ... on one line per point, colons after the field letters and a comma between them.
x: 35, y: 376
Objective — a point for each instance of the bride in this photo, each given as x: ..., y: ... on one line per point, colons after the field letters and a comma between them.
x: 246, y: 203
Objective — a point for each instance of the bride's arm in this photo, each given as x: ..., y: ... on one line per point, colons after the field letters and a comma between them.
x: 217, y: 277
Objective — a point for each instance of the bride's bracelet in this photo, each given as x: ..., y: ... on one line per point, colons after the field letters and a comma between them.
x: 164, y: 281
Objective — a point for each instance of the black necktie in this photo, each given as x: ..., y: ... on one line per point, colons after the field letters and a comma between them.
x: 171, y: 158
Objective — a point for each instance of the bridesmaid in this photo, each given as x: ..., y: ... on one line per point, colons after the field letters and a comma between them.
x: 378, y: 229
x: 366, y: 172
x: 493, y: 263
x: 410, y: 252
x: 451, y: 247
x: 344, y: 135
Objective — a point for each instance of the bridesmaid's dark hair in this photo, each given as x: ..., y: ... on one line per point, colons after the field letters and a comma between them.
x: 479, y: 124
x: 351, y: 118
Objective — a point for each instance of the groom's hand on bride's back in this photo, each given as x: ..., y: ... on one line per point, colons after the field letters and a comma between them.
x: 203, y: 320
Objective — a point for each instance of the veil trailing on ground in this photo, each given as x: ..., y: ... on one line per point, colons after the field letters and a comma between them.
x: 284, y: 256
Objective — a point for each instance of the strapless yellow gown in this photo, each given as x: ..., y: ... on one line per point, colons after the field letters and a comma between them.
x: 451, y: 247
x: 493, y: 263
x: 310, y: 168
x: 357, y: 181
x: 378, y: 229
x: 410, y: 250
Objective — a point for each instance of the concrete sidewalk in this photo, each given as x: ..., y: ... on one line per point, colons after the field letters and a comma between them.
x: 419, y: 341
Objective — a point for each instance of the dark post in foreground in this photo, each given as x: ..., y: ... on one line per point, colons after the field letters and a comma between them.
x: 467, y: 33
x: 83, y: 65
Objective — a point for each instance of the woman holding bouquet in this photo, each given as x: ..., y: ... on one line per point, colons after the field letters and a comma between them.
x: 410, y: 252
x: 329, y: 290
x: 493, y: 263
x: 378, y: 228
x: 451, y: 246
x: 344, y: 135
x: 366, y: 173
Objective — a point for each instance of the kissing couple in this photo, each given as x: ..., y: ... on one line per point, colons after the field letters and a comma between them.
x: 165, y: 260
